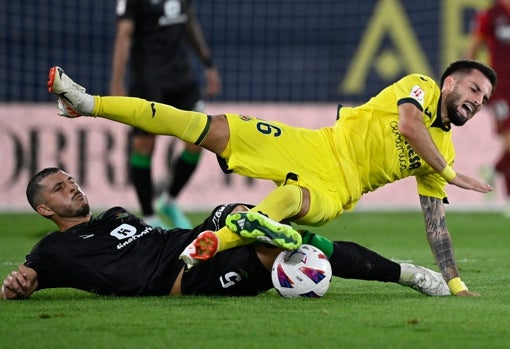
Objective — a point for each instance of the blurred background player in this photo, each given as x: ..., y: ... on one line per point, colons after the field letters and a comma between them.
x: 153, y: 37
x: 492, y: 29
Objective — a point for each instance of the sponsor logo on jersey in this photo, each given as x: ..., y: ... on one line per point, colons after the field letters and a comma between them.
x: 128, y: 234
x: 407, y: 157
x: 123, y: 231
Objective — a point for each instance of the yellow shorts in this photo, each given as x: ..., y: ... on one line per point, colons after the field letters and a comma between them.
x: 272, y: 150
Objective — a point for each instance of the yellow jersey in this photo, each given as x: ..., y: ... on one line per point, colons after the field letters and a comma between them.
x: 372, y: 151
x: 361, y: 152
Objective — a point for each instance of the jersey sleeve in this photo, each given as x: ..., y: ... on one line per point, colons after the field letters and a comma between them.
x: 432, y: 185
x: 416, y: 89
x: 46, y: 258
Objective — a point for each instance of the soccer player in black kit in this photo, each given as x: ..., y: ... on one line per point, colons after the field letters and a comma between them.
x: 118, y: 254
x: 151, y: 43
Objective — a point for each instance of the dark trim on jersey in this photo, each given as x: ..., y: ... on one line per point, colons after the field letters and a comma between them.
x: 410, y: 100
x: 205, y: 131
x: 223, y: 165
x: 291, y: 176
x: 338, y: 111
x: 439, y: 122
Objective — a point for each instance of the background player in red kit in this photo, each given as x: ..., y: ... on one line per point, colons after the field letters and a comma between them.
x: 492, y: 29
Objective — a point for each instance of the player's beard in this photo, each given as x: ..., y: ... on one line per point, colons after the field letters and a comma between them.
x: 455, y: 117
x: 452, y: 109
x: 83, y: 210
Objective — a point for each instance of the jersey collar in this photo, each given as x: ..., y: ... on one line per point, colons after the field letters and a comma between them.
x: 438, y: 121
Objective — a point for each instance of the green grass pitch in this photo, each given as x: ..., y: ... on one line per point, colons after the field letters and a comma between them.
x: 353, y: 314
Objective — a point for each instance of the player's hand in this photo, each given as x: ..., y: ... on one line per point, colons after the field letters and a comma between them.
x: 467, y: 182
x: 213, y: 82
x: 467, y: 293
x: 17, y: 284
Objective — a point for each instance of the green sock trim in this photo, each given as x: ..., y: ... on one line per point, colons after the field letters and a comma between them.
x: 205, y: 131
x: 140, y: 160
x: 319, y: 241
x: 189, y: 157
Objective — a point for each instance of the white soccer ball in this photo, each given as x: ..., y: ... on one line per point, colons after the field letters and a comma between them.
x: 305, y: 272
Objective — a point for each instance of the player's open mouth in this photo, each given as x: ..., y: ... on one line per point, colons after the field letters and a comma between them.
x: 467, y: 109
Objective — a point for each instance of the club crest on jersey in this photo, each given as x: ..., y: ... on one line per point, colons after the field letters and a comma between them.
x: 418, y: 94
x: 245, y: 117
x: 121, y: 215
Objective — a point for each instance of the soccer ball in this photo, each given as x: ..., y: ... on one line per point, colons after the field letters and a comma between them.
x: 305, y: 272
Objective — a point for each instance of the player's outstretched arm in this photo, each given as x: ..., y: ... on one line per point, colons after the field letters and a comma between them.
x: 19, y: 284
x: 441, y: 244
x: 467, y: 182
x: 412, y: 127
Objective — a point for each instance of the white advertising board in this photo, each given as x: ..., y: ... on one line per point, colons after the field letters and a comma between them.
x: 95, y: 152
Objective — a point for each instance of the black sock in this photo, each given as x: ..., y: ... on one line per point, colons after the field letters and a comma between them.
x: 183, y: 169
x: 352, y: 261
x: 142, y: 181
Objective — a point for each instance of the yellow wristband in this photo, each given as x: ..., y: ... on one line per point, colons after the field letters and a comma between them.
x: 456, y: 285
x: 448, y: 173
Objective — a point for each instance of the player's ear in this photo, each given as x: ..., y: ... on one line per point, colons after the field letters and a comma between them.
x: 44, y: 210
x: 449, y: 83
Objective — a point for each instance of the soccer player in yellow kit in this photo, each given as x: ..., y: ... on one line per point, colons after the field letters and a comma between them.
x: 403, y: 131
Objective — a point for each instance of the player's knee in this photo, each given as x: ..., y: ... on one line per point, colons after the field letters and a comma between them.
x: 218, y: 134
x: 291, y: 197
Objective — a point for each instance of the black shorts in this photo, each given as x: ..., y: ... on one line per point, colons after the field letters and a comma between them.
x: 234, y: 272
x: 185, y: 98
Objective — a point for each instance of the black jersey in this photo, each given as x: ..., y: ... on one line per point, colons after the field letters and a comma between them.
x: 116, y: 253
x: 159, y: 47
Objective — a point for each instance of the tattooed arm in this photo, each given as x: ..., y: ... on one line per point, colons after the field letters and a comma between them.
x: 441, y: 243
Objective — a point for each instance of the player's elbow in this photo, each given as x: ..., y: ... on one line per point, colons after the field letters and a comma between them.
x: 406, y: 129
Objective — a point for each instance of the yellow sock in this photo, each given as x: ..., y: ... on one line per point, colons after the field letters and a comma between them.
x: 157, y: 118
x: 228, y: 239
x: 283, y: 202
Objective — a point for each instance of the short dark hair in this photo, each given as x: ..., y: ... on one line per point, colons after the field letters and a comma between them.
x: 33, y: 187
x: 466, y: 66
